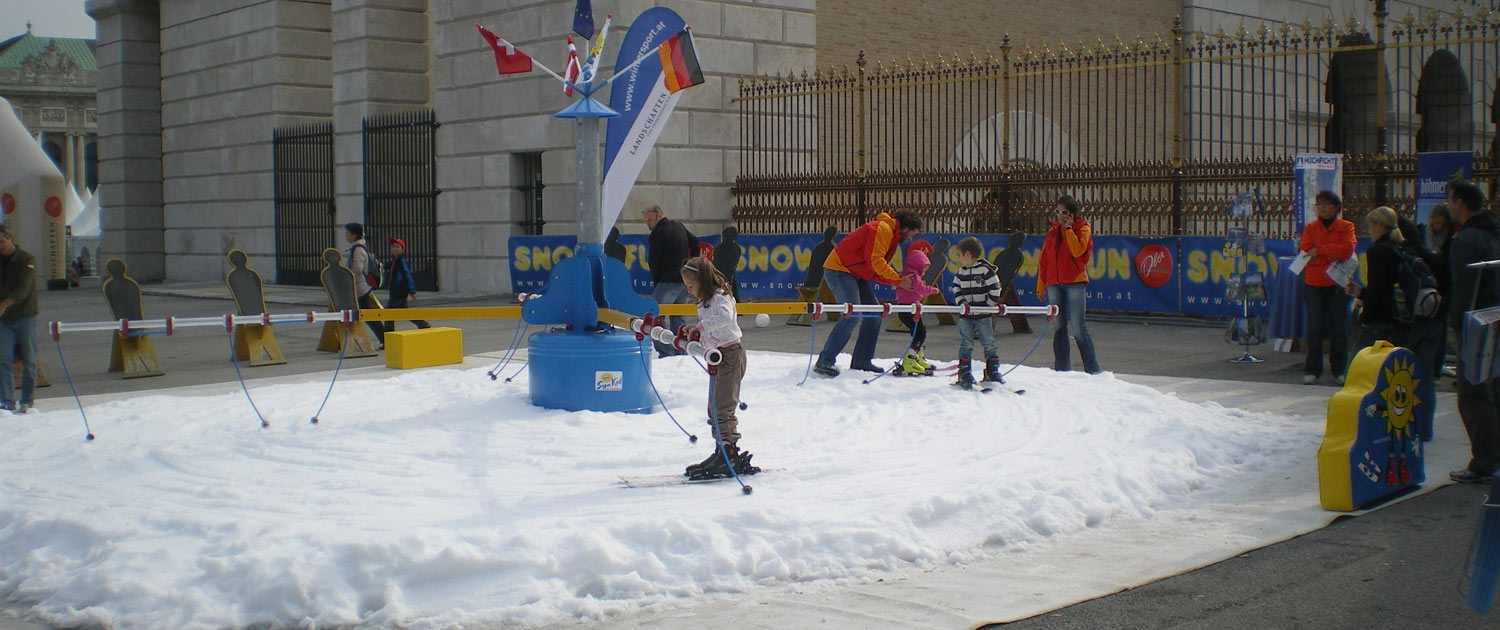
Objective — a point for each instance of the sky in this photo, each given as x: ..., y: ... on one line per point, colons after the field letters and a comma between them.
x: 49, y: 18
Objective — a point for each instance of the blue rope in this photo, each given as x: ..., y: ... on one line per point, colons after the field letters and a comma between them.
x: 241, y: 377
x: 692, y: 439
x: 88, y: 432
x: 348, y: 330
x: 510, y: 352
x: 718, y: 440
x: 915, y: 321
x: 812, y: 342
x: 1028, y: 352
x: 518, y: 370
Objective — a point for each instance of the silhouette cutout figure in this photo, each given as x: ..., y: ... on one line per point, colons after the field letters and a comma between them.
x: 727, y: 258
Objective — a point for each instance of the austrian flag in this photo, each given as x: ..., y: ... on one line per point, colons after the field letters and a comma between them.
x: 508, y: 58
x: 679, y: 62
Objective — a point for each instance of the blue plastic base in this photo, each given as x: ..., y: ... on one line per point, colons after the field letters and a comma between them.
x: 590, y: 371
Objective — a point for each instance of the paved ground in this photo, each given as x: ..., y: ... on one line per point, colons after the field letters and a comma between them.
x: 1394, y: 567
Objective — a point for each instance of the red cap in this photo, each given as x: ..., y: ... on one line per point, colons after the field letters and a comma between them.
x: 921, y: 245
x: 397, y: 241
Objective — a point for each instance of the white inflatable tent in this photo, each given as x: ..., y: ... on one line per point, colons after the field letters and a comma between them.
x: 33, y: 199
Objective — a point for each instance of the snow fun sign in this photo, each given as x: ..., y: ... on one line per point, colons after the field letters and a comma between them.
x: 1179, y: 275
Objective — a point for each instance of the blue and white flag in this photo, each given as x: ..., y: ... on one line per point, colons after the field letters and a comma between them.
x: 642, y: 99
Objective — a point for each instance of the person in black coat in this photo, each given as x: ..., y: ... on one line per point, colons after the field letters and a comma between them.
x: 1376, y: 302
x: 669, y: 245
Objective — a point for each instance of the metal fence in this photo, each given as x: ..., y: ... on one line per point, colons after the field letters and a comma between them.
x: 1154, y: 135
x: 302, y: 166
x: 400, y: 184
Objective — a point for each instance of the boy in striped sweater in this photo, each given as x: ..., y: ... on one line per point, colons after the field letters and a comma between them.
x: 977, y: 284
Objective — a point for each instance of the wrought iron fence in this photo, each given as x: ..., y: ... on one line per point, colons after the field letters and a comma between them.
x: 400, y: 184
x: 1154, y: 135
x: 302, y: 167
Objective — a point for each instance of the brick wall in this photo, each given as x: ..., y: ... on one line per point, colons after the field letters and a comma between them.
x: 887, y: 29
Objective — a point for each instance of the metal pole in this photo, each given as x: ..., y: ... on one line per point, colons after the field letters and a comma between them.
x: 590, y: 224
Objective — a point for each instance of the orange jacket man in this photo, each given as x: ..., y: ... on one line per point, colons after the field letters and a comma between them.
x: 862, y: 257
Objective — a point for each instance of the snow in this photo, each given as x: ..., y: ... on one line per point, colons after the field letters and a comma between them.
x: 440, y: 498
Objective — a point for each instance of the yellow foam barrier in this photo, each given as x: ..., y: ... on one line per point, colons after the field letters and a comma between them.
x: 1372, y: 445
x: 426, y: 347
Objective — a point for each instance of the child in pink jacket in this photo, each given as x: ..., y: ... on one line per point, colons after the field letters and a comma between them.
x: 915, y: 266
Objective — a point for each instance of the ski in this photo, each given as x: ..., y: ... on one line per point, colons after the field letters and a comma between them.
x: 659, y: 481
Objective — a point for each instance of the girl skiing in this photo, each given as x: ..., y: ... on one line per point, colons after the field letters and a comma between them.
x: 718, y: 329
x: 914, y: 267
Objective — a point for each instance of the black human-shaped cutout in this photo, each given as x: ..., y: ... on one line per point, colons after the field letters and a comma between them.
x: 1008, y: 261
x: 121, y: 291
x: 727, y: 257
x: 613, y: 248
x: 820, y: 254
x: 244, y: 284
x: 338, y: 281
x: 939, y: 260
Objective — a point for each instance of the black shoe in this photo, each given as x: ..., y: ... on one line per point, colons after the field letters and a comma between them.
x: 742, y: 464
x: 1464, y: 475
x: 965, y: 379
x: 712, y: 457
x: 714, y: 466
x: 992, y: 371
x: 826, y: 370
x: 868, y: 367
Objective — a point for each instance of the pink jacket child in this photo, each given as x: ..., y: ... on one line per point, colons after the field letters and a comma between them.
x: 914, y: 267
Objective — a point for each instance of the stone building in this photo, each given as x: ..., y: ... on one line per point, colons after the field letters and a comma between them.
x: 51, y: 82
x: 192, y: 93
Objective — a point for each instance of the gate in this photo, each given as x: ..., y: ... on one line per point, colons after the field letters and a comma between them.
x: 400, y: 184
x: 1154, y: 135
x: 302, y: 166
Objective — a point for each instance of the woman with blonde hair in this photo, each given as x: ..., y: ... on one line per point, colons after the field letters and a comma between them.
x: 1376, y: 302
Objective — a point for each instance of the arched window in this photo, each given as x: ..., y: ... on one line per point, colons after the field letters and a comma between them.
x: 1445, y: 105
x: 1351, y: 93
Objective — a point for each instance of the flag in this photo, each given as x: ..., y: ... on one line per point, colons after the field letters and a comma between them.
x: 570, y: 69
x: 591, y: 63
x: 508, y: 58
x: 679, y: 63
x: 583, y: 19
x: 644, y: 106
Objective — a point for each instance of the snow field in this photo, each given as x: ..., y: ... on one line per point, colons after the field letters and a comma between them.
x: 437, y: 498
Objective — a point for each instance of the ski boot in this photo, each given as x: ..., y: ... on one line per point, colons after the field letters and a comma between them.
x: 992, y: 371
x: 715, y: 468
x: 913, y: 365
x: 922, y: 360
x: 965, y: 376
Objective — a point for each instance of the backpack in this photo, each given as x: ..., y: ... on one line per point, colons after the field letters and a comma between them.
x: 1416, y: 293
x: 374, y: 271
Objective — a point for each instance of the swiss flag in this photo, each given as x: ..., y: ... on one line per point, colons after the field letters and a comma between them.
x: 571, y: 73
x: 508, y: 58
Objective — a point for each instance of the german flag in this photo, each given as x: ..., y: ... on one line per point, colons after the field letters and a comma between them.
x: 679, y: 62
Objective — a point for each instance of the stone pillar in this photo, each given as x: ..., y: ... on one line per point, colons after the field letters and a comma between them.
x: 70, y: 160
x: 381, y: 64
x: 128, y: 50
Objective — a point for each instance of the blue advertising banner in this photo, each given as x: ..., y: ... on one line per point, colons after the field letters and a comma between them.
x: 644, y: 103
x: 1311, y: 174
x: 1188, y: 275
x: 1434, y: 172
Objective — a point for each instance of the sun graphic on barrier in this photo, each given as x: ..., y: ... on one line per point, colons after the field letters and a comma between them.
x: 1400, y: 396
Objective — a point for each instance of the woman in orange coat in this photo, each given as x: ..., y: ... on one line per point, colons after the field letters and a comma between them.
x: 1327, y: 240
x: 1062, y: 278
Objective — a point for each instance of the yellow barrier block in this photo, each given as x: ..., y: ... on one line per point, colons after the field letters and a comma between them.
x: 426, y: 347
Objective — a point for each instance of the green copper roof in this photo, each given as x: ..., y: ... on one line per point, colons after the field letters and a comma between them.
x: 15, y: 50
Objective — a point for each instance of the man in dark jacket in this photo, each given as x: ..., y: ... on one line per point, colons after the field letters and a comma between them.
x: 1477, y: 240
x: 669, y: 245
x: 18, y: 310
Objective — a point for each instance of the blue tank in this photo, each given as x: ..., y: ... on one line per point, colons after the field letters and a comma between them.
x: 592, y: 371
